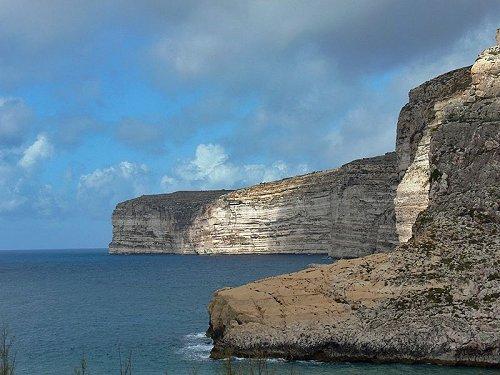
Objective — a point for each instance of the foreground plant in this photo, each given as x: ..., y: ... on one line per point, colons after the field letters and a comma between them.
x: 259, y: 366
x: 82, y: 368
x: 7, y: 357
x: 125, y: 363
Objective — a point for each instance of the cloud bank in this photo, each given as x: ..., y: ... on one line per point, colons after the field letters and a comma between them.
x: 211, y: 168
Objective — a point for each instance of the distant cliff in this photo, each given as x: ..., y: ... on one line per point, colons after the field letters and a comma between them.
x: 346, y: 212
x: 436, y: 297
x: 158, y: 223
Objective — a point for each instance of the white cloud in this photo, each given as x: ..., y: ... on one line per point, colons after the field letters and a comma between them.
x: 99, y: 191
x: 11, y: 204
x: 368, y: 128
x: 47, y: 202
x: 211, y: 169
x: 26, y: 195
x: 167, y: 182
x: 256, y: 173
x: 208, y: 157
x: 209, y: 165
x: 41, y: 149
x: 11, y: 196
x: 101, y: 178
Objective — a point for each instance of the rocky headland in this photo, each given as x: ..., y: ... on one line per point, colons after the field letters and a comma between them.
x: 435, y: 298
x: 157, y: 223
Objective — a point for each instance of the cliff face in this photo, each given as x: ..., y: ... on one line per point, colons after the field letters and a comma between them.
x: 436, y: 297
x: 417, y: 122
x: 157, y: 223
x: 347, y: 212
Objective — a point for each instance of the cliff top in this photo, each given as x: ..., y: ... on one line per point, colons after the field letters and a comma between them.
x: 192, y: 200
x: 442, y: 86
x: 182, y: 196
x: 319, y: 177
x: 182, y: 205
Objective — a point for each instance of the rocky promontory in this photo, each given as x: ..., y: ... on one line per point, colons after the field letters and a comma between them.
x: 435, y: 298
x: 157, y: 223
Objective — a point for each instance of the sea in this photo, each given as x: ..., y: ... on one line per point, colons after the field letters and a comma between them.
x: 64, y: 305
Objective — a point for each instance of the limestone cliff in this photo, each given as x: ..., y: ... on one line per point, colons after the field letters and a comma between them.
x: 417, y: 122
x: 347, y: 212
x: 436, y: 297
x: 157, y: 223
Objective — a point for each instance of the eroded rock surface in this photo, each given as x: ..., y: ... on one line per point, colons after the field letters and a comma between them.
x: 157, y: 223
x: 436, y: 297
x: 346, y: 212
x: 417, y: 122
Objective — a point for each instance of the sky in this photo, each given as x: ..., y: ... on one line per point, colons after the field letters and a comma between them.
x: 105, y: 100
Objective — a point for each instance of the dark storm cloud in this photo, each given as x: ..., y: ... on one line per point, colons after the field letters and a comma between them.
x: 308, y: 66
x: 355, y: 35
x: 394, y: 32
x: 305, y: 67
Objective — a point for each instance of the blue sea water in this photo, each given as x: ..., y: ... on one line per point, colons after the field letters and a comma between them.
x: 62, y: 303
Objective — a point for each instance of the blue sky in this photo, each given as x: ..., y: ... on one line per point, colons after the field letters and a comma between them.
x: 101, y: 101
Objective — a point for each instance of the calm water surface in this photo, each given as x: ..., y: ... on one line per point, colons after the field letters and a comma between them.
x: 62, y: 303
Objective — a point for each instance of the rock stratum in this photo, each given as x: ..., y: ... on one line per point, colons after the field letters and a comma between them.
x: 435, y: 298
x: 157, y: 223
x: 345, y: 212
